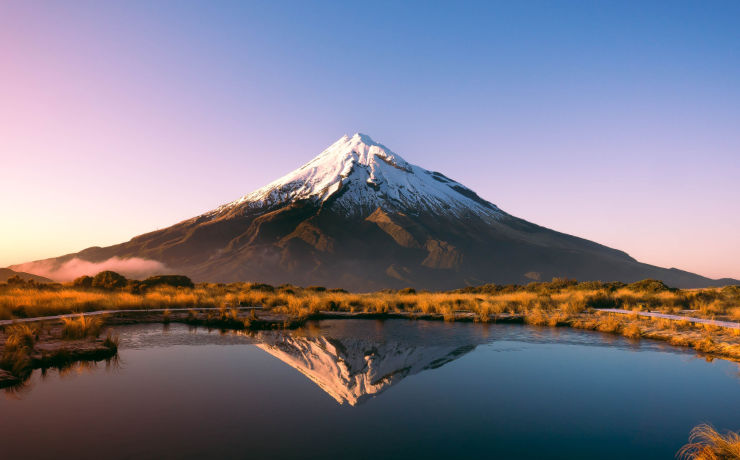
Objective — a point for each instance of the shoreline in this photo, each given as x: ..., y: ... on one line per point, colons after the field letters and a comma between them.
x: 52, y: 351
x: 460, y: 315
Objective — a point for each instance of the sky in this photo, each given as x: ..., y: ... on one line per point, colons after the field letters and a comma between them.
x: 615, y: 121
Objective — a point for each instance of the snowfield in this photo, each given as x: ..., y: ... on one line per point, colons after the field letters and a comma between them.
x: 356, y: 175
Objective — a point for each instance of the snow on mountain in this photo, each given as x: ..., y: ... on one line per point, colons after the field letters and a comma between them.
x: 352, y: 370
x: 360, y: 217
x: 356, y: 175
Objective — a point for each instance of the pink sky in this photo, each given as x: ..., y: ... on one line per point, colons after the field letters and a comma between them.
x: 116, y: 121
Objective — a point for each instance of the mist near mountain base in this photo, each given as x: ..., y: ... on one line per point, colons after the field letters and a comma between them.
x: 134, y: 267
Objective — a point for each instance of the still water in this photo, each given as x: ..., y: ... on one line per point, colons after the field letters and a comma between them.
x: 372, y: 389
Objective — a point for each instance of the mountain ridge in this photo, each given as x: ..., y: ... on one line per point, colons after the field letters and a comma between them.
x: 361, y: 217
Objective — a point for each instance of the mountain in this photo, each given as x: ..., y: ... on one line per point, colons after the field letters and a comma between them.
x: 354, y: 370
x: 351, y: 363
x: 359, y: 216
x: 6, y: 273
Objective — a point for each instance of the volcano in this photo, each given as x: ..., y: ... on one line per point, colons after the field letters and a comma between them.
x: 358, y: 216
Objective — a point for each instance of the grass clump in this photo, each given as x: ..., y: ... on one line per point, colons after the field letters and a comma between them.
x: 633, y: 331
x: 111, y: 342
x: 21, y: 335
x: 81, y: 327
x: 16, y: 356
x: 706, y: 443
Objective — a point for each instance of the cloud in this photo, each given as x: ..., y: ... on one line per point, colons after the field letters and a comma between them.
x: 134, y: 267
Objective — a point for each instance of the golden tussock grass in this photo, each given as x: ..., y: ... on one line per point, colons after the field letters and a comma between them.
x: 16, y: 356
x: 542, y: 304
x: 633, y: 331
x: 22, y: 335
x: 706, y: 443
x: 81, y: 327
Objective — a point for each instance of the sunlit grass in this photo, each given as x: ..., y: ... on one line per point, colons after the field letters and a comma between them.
x: 16, y: 356
x: 561, y: 303
x: 21, y: 335
x: 706, y: 443
x: 81, y: 327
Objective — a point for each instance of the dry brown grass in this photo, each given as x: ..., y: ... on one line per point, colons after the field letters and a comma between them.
x: 31, y: 302
x: 17, y: 349
x: 81, y: 327
x: 706, y: 443
x: 571, y: 306
x: 21, y: 335
x: 633, y: 331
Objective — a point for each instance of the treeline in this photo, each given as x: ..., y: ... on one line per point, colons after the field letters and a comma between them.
x: 106, y: 281
x: 112, y: 281
x: 561, y: 284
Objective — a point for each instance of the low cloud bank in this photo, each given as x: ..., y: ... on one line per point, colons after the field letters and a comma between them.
x: 134, y: 267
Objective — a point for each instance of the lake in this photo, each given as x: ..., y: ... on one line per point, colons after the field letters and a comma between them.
x: 372, y: 389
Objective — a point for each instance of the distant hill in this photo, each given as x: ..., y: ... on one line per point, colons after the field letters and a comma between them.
x: 358, y: 216
x: 6, y: 273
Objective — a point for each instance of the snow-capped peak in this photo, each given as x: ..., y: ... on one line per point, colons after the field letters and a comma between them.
x: 369, y: 176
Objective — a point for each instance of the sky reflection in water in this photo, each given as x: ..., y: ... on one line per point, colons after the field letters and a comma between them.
x: 365, y: 389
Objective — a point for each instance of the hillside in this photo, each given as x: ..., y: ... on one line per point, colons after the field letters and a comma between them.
x: 361, y: 217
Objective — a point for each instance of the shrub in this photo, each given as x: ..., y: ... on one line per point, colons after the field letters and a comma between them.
x: 167, y: 280
x: 261, y: 287
x: 732, y: 291
x: 601, y: 300
x: 650, y: 285
x: 83, y: 282
x: 16, y: 280
x: 109, y: 280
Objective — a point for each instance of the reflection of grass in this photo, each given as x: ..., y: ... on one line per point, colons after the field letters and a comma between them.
x: 706, y: 443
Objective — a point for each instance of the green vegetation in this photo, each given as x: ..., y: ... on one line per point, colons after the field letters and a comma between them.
x: 109, y: 280
x: 167, y: 280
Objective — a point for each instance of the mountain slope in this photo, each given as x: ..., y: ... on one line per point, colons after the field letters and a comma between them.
x: 6, y: 273
x: 359, y: 216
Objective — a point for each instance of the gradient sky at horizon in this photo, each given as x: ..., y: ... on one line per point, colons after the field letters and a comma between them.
x: 615, y: 121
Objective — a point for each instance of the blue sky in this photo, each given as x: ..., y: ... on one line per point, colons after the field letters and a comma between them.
x: 614, y: 121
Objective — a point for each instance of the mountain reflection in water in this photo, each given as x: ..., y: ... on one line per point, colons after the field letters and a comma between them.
x: 515, y: 392
x: 353, y: 362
